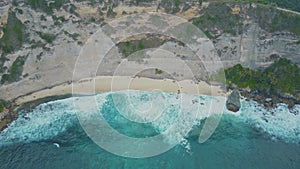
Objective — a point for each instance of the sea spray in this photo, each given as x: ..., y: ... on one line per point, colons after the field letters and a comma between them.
x: 44, y: 122
x: 50, y: 119
x: 279, y: 123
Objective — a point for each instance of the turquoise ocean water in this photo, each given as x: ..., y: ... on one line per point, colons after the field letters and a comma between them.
x: 50, y: 136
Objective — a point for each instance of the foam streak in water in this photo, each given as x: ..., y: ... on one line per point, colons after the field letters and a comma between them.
x: 50, y: 119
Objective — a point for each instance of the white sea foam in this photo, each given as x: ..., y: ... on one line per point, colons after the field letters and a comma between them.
x: 279, y: 123
x: 45, y: 121
x: 50, y: 119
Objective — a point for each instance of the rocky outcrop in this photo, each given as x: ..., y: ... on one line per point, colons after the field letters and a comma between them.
x: 3, y: 3
x: 233, y: 101
x: 270, y: 99
x: 6, y: 118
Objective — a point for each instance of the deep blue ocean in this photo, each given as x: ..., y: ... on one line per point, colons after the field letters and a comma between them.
x: 51, y: 135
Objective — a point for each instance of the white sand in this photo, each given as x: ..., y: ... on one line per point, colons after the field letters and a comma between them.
x: 109, y: 83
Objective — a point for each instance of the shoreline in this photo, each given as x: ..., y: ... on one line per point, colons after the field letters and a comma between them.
x: 106, y: 84
x: 118, y: 83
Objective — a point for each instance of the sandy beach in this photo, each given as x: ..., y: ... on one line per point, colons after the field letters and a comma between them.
x: 117, y: 83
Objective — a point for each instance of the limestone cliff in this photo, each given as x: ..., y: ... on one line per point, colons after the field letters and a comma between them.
x: 251, y: 34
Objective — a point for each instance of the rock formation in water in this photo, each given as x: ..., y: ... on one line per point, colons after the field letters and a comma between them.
x: 233, y: 101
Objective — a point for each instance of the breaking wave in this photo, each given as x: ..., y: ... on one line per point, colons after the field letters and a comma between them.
x: 128, y: 109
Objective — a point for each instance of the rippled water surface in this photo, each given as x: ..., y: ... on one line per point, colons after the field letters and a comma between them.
x: 54, y: 138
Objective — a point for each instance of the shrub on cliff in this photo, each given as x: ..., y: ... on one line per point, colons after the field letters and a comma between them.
x: 1, y: 107
x: 46, y: 6
x: 15, y: 71
x: 14, y: 34
x: 282, y: 76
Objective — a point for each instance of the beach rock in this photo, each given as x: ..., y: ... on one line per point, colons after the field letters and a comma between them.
x: 233, y: 101
x: 268, y: 100
x: 269, y: 103
x: 294, y: 111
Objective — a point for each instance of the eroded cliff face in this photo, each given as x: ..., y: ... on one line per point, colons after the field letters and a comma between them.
x: 257, y: 48
x: 251, y: 34
x: 54, y: 40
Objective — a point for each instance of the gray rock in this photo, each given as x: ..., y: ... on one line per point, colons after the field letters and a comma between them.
x: 268, y: 99
x: 233, y: 101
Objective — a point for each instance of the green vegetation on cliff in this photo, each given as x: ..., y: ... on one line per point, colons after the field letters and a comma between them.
x: 14, y: 35
x: 15, y: 71
x: 171, y: 6
x: 4, y: 104
x: 1, y: 107
x: 13, y: 38
x: 274, y: 20
x: 282, y: 76
x: 45, y: 6
x: 287, y: 4
x: 137, y: 2
x: 49, y: 38
x: 219, y: 18
x: 150, y: 41
x: 129, y: 47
